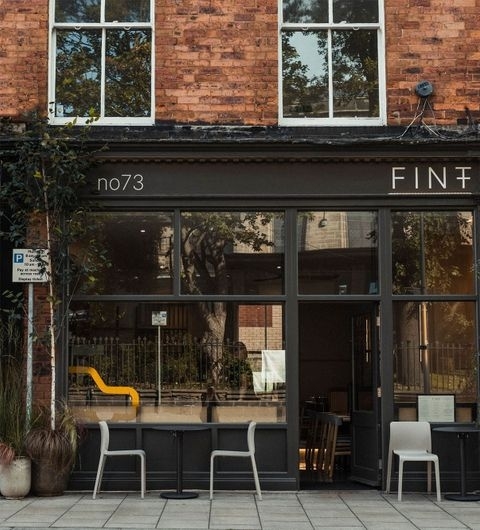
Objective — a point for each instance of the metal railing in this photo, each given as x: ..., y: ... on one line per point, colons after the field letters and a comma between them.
x: 184, y: 362
x: 451, y: 368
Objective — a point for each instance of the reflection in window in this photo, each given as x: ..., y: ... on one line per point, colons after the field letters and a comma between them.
x: 317, y: 11
x: 434, y: 351
x: 84, y: 11
x: 127, y: 73
x: 232, y: 253
x: 138, y: 248
x: 432, y: 253
x: 102, y: 67
x: 305, y: 74
x: 330, y: 70
x: 180, y: 375
x: 78, y: 72
x: 337, y: 253
x: 305, y: 11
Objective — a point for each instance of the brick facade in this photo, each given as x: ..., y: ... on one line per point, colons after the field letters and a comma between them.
x: 23, y: 57
x: 436, y: 41
x: 216, y: 61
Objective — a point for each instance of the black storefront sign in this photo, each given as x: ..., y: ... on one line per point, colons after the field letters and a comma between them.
x: 242, y: 179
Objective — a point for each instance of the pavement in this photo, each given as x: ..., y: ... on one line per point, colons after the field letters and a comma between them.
x: 297, y: 510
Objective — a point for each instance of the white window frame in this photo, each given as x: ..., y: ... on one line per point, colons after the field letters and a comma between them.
x: 331, y: 121
x: 102, y: 120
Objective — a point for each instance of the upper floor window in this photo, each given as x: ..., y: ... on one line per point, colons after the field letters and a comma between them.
x: 331, y: 70
x: 101, y: 61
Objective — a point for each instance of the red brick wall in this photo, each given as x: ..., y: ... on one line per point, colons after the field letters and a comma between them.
x: 438, y: 41
x: 254, y: 316
x: 23, y: 56
x: 216, y: 60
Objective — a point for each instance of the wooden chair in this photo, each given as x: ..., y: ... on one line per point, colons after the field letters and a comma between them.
x: 330, y: 445
x: 340, y: 445
x: 315, y: 441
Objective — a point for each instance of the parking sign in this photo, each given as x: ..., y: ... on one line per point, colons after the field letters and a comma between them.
x: 28, y: 265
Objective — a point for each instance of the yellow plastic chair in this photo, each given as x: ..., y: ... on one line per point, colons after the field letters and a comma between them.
x: 104, y: 453
x: 242, y: 454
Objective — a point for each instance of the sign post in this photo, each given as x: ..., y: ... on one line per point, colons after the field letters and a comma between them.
x: 159, y: 319
x: 28, y: 267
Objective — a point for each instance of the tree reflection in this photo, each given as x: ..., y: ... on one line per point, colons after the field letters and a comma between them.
x: 79, y: 67
x: 206, y: 240
x: 354, y: 60
x: 432, y: 253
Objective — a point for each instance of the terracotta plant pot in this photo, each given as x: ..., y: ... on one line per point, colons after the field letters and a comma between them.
x: 15, y: 478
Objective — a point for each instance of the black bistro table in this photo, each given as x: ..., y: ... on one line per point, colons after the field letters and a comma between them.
x: 178, y: 432
x: 462, y: 431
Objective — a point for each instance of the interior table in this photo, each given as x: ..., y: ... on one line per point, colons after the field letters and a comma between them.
x: 463, y: 432
x: 178, y: 432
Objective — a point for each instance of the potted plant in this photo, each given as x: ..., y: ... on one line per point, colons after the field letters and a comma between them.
x: 53, y: 451
x: 15, y: 466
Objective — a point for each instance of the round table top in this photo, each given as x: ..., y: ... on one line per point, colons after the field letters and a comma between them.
x: 458, y: 428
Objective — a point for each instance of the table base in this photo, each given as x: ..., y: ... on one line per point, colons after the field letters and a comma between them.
x: 462, y: 497
x: 179, y: 495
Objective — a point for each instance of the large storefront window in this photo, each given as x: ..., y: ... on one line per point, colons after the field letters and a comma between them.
x: 434, y: 353
x: 179, y: 374
x: 432, y: 253
x: 337, y: 252
x: 232, y: 253
x: 138, y: 251
x: 434, y: 340
x: 156, y: 335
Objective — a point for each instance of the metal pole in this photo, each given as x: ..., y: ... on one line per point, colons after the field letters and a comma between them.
x: 159, y: 368
x: 29, y: 397
x: 424, y: 351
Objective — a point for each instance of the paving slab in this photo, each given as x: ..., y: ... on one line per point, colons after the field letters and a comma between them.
x: 296, y: 510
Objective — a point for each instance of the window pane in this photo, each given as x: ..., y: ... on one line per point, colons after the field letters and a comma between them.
x: 232, y: 253
x: 127, y: 73
x: 78, y: 68
x: 337, y: 253
x: 434, y: 353
x: 138, y: 248
x: 308, y: 11
x: 432, y: 253
x: 355, y: 73
x: 77, y: 11
x: 127, y: 10
x: 305, y: 74
x: 189, y: 370
x: 355, y: 11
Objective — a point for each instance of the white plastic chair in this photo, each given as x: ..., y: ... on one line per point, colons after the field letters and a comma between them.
x: 412, y: 441
x: 104, y: 452
x: 242, y: 454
